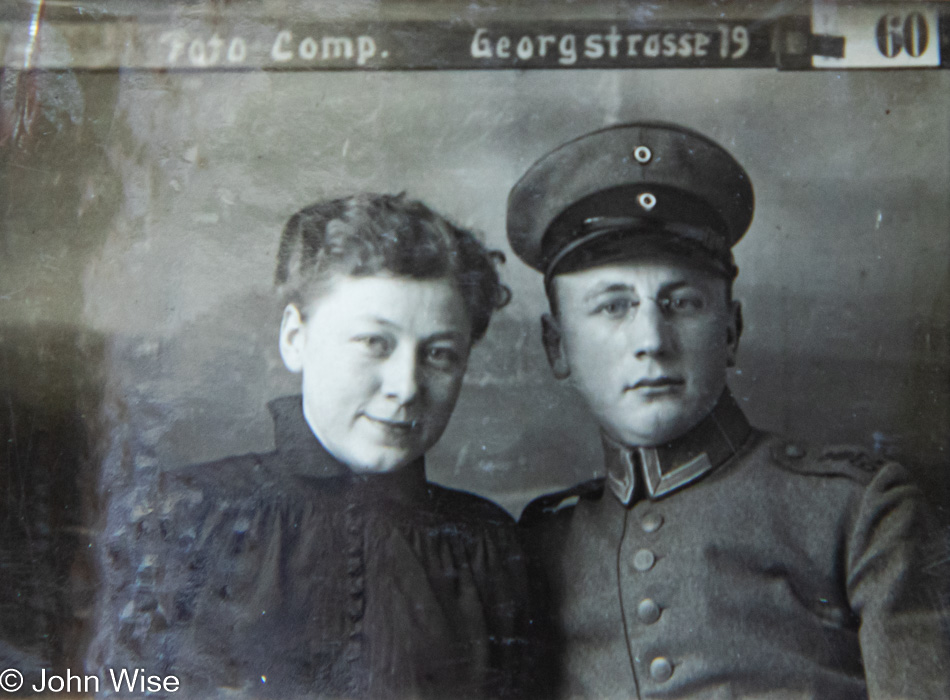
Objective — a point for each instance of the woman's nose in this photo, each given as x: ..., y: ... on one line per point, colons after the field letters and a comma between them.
x: 400, y: 380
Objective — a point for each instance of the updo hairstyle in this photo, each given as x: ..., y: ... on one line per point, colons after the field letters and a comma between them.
x: 378, y: 234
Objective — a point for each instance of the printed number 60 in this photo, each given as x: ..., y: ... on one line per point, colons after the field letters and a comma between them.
x: 911, y: 35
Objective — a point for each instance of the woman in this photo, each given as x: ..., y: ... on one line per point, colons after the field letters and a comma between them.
x: 331, y: 567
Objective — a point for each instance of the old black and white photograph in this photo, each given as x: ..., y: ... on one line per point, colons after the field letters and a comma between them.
x: 495, y: 349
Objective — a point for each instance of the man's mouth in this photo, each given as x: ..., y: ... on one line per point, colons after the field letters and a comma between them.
x: 656, y: 383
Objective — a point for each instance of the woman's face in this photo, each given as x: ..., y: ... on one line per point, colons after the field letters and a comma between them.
x: 382, y: 360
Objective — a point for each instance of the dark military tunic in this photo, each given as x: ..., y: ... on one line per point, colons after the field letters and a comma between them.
x: 731, y: 563
x: 286, y: 575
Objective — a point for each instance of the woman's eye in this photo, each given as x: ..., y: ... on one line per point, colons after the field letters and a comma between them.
x: 442, y: 357
x: 376, y: 345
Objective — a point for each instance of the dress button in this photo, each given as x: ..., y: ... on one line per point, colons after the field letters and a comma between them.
x: 643, y: 560
x: 661, y: 669
x: 651, y: 522
x: 648, y: 611
x: 794, y: 451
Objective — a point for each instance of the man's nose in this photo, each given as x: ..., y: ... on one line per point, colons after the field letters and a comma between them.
x: 649, y: 330
x: 400, y: 381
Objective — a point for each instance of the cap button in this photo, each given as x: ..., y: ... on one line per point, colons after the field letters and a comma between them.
x: 646, y: 200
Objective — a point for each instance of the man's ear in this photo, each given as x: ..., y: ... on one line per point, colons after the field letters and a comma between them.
x: 291, y: 340
x: 554, y: 346
x: 733, y: 333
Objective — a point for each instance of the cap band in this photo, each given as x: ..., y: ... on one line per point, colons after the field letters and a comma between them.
x: 693, y: 236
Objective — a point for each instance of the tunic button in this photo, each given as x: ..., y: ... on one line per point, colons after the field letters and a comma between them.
x: 651, y: 522
x: 648, y: 611
x: 661, y: 669
x: 643, y: 560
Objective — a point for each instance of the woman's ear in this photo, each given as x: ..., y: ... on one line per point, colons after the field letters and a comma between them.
x: 554, y: 347
x: 733, y: 333
x: 292, y: 340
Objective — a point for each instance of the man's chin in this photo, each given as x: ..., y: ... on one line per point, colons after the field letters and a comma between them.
x: 657, y: 430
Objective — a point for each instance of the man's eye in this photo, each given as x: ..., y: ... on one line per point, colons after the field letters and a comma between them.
x: 684, y: 303
x: 615, y: 308
x: 441, y: 357
x: 376, y: 345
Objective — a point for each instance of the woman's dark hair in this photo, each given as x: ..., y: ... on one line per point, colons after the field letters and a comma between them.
x: 373, y: 234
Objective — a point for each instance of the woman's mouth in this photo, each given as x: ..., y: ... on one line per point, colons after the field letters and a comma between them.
x: 392, y: 425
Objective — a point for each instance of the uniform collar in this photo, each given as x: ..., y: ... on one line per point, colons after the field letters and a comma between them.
x: 301, y: 454
x: 669, y: 467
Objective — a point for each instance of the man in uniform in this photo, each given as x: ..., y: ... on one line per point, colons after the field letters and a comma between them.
x: 713, y: 560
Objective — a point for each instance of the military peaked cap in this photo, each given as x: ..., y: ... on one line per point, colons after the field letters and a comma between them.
x: 629, y: 188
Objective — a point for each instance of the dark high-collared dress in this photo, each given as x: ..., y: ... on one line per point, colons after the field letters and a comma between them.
x: 286, y: 575
x: 734, y: 564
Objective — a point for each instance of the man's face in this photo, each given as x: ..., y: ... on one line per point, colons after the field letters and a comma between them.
x: 646, y: 344
x: 382, y: 361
